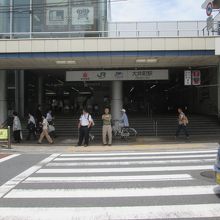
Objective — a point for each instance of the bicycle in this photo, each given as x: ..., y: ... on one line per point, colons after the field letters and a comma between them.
x: 123, y: 132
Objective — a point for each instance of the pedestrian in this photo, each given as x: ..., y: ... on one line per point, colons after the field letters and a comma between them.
x: 44, y: 132
x: 16, y: 128
x: 85, y: 122
x: 31, y: 126
x: 182, y: 123
x: 107, y: 128
x: 124, y: 119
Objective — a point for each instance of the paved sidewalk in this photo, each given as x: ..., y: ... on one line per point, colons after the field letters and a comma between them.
x: 67, y: 145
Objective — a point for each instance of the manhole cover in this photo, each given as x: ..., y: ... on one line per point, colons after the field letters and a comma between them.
x: 208, y: 174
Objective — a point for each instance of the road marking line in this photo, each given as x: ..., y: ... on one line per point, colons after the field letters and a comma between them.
x: 62, y: 164
x: 134, y: 158
x: 138, y: 178
x: 123, y: 170
x: 118, y: 192
x: 138, y: 153
x: 8, y: 186
x: 8, y: 157
x: 114, y: 213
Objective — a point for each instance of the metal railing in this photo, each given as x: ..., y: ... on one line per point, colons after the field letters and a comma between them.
x: 108, y: 34
x: 102, y: 34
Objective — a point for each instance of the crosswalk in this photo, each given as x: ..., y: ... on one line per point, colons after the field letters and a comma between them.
x: 117, y: 185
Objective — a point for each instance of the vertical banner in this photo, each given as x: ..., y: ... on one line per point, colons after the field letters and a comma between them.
x: 187, y: 78
x: 196, y: 77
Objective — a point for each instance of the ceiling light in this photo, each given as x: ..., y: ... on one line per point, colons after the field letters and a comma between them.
x: 152, y: 60
x: 140, y: 60
x: 152, y: 86
x: 65, y: 62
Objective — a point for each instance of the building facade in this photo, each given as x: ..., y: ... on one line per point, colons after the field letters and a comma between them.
x: 66, y: 55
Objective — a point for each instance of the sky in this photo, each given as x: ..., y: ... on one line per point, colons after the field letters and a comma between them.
x: 158, y: 10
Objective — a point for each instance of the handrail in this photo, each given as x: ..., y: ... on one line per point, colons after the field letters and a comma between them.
x: 107, y: 34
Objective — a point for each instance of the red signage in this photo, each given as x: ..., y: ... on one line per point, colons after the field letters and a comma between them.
x: 196, y: 78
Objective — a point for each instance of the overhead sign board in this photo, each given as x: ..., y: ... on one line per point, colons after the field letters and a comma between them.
x: 117, y: 75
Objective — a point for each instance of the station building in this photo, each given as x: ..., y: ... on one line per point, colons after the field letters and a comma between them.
x: 68, y: 52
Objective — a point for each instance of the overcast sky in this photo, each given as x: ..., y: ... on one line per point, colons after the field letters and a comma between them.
x: 158, y: 10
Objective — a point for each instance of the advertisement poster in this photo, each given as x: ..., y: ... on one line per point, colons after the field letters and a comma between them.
x: 82, y: 16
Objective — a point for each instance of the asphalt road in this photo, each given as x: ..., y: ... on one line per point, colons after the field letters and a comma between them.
x: 111, y: 185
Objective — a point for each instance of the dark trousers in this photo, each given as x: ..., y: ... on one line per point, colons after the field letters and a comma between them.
x: 17, y: 136
x: 182, y: 127
x: 83, y: 134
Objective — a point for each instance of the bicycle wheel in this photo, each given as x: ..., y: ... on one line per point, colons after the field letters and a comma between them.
x: 125, y: 133
x: 132, y: 132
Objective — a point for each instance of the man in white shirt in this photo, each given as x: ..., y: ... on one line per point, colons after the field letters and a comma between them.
x: 85, y: 122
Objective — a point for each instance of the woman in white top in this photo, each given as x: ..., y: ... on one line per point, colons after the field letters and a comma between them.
x: 16, y: 127
x: 85, y: 122
x: 44, y: 132
x: 31, y: 127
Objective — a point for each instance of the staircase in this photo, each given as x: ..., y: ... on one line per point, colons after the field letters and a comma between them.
x: 66, y: 126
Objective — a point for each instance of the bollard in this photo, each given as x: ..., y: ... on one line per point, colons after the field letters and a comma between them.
x: 9, y: 137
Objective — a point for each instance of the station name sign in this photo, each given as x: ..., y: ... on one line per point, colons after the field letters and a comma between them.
x: 117, y: 75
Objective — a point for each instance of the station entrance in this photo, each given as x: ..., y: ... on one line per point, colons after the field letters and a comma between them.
x: 139, y: 97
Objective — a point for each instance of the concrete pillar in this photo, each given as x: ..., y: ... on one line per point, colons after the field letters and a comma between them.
x: 21, y: 93
x: 40, y: 90
x: 3, y: 100
x: 117, y: 97
x: 17, y: 91
x: 218, y: 80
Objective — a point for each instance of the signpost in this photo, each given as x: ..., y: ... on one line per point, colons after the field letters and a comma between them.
x: 5, y: 136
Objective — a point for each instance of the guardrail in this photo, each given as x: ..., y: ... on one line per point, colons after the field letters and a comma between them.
x: 109, y: 34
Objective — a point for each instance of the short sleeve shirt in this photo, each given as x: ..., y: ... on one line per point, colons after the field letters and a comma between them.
x: 85, y: 119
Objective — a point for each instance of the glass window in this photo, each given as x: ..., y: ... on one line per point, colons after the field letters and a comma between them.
x: 21, y: 16
x: 4, y: 16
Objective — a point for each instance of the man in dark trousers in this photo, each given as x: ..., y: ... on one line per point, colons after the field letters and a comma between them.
x: 182, y: 123
x: 85, y: 122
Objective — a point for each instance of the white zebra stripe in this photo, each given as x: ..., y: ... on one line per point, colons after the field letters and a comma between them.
x: 96, y: 179
x: 8, y: 157
x: 134, y: 158
x: 139, y: 153
x: 119, y: 163
x: 116, y: 192
x: 113, y: 213
x: 125, y: 170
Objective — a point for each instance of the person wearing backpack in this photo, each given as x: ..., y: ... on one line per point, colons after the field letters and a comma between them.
x: 182, y: 123
x: 85, y: 122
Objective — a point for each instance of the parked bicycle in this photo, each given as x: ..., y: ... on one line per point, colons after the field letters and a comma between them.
x: 123, y: 132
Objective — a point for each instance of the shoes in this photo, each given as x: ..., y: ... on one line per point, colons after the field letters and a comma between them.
x: 109, y: 145
x: 85, y: 145
x: 39, y: 142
